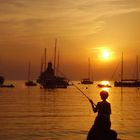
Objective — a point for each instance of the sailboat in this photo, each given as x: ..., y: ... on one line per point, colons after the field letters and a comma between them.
x: 49, y: 80
x: 128, y: 82
x: 1, y: 80
x: 87, y: 80
x: 2, y: 85
x: 48, y: 77
x: 29, y: 82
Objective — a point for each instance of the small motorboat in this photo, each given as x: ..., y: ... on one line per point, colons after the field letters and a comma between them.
x: 86, y: 81
x: 30, y: 83
x: 102, y: 86
x: 7, y: 86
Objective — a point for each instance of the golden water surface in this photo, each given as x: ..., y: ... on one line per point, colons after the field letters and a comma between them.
x: 32, y: 113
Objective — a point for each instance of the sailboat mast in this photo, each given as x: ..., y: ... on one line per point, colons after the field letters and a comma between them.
x: 44, y: 59
x: 41, y: 66
x: 29, y: 67
x: 89, y: 68
x: 122, y: 68
x: 57, y: 70
x: 137, y: 67
x: 55, y: 55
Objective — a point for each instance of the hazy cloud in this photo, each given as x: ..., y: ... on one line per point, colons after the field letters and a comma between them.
x: 65, y: 17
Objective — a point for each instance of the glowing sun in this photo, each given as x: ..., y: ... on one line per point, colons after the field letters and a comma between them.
x: 105, y: 54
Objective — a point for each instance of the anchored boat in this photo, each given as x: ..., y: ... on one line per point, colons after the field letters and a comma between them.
x: 49, y: 77
x: 29, y: 82
x: 87, y: 80
x: 49, y: 80
x: 128, y: 82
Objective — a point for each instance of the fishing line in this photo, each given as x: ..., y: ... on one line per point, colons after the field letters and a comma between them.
x: 77, y: 87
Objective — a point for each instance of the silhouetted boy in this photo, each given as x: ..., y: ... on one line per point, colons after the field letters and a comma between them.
x: 101, y: 128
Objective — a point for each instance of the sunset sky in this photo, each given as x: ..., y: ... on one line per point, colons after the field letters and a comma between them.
x: 83, y: 28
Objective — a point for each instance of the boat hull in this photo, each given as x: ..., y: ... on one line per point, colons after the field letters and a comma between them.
x: 30, y: 83
x: 7, y: 86
x: 48, y: 79
x: 55, y: 83
x: 104, y: 86
x: 127, y: 83
x: 86, y: 81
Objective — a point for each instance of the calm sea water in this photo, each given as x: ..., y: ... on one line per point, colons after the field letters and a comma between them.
x: 31, y: 113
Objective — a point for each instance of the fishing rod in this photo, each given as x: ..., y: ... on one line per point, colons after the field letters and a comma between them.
x: 83, y: 93
x: 78, y: 88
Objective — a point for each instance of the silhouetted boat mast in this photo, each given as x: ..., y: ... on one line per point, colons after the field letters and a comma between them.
x: 122, y: 68
x: 41, y: 67
x: 29, y: 69
x: 29, y: 82
x: 55, y: 56
x: 48, y: 77
x: 137, y: 67
x: 128, y: 82
x: 45, y: 59
x: 88, y: 79
x: 88, y: 68
x: 57, y: 70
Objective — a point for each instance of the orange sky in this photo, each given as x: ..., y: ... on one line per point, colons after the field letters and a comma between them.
x: 83, y: 29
